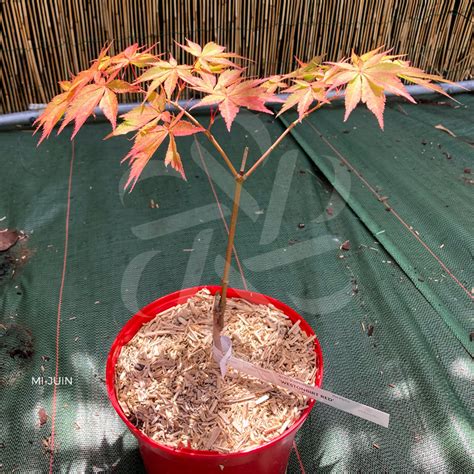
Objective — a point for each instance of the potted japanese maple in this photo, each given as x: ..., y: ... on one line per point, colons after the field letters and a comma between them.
x: 161, y: 375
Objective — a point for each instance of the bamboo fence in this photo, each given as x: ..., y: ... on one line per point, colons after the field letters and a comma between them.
x: 44, y: 41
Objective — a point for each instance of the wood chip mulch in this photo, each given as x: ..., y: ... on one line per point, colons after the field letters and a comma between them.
x: 170, y: 387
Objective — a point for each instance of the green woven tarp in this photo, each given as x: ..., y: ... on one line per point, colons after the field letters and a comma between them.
x: 410, y: 188
x: 392, y: 337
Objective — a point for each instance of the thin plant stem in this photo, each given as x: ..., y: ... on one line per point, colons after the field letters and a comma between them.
x: 220, y: 305
x: 209, y: 136
x: 279, y: 139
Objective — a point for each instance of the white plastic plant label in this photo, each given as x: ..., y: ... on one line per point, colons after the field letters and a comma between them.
x: 225, y: 359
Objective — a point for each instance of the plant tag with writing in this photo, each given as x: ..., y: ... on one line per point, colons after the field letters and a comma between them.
x: 225, y: 359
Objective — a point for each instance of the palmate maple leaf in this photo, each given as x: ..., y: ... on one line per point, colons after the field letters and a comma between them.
x: 132, y: 56
x: 56, y: 108
x: 308, y: 86
x: 273, y: 83
x: 310, y: 71
x: 211, y: 57
x: 230, y: 92
x: 150, y: 137
x: 80, y: 97
x: 51, y: 115
x: 304, y: 94
x: 78, y: 104
x: 166, y: 73
x: 143, y: 115
x: 101, y: 94
x: 97, y: 72
x: 369, y: 76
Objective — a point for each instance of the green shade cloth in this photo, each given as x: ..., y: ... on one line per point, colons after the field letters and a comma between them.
x: 295, y: 213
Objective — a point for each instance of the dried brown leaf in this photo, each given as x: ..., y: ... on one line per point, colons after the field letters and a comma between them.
x: 8, y: 238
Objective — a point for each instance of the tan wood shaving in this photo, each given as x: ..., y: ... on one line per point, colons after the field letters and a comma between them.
x: 170, y: 387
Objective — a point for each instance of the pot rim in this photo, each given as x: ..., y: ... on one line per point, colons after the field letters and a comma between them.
x: 148, y: 313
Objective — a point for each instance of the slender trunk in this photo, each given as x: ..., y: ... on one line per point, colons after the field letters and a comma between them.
x: 220, y: 303
x: 239, y: 177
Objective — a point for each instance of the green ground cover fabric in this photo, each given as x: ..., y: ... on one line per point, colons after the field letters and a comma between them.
x: 122, y: 254
x: 423, y: 177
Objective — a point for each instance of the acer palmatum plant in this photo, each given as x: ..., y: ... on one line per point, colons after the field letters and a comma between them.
x: 220, y: 82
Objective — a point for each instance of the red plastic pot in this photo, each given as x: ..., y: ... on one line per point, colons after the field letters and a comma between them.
x: 269, y: 458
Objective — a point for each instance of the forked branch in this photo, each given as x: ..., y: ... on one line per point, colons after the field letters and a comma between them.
x: 209, y: 136
x: 221, y: 83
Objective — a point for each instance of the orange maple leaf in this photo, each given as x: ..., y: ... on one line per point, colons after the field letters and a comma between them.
x: 51, y: 115
x: 56, y: 108
x: 166, y: 73
x: 100, y: 94
x: 95, y: 73
x: 132, y: 56
x: 230, y: 92
x: 80, y: 98
x: 137, y: 118
x: 149, y: 139
x: 369, y: 76
x: 210, y: 58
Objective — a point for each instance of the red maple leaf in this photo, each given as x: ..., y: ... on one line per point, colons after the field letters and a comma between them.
x: 230, y: 92
x: 149, y: 139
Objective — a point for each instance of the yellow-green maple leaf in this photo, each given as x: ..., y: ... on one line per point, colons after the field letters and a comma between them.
x: 211, y: 57
x: 166, y: 73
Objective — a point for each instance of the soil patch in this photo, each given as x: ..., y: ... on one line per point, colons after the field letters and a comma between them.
x: 16, y: 352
